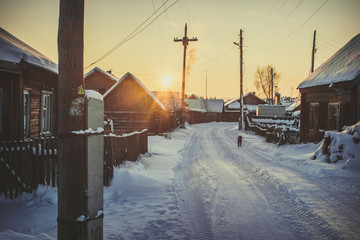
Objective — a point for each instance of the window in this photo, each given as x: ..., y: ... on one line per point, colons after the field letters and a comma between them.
x: 26, y: 113
x: 46, y: 112
x: 1, y: 111
x: 334, y: 116
x: 314, y: 115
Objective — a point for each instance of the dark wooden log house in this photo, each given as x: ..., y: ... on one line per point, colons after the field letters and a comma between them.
x: 100, y: 80
x: 330, y: 96
x: 28, y: 91
x: 128, y: 103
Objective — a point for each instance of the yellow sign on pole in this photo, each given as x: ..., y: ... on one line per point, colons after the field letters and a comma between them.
x: 81, y: 90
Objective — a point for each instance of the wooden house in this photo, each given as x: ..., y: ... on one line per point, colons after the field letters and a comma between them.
x: 200, y: 110
x: 130, y: 105
x: 232, y: 108
x: 99, y: 80
x: 330, y: 96
x: 28, y: 91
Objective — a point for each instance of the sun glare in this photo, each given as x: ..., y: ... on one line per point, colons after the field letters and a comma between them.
x: 166, y: 80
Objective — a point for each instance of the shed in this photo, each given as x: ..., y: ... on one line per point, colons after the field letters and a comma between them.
x: 330, y: 96
x: 132, y: 106
x: 99, y: 80
x: 28, y: 90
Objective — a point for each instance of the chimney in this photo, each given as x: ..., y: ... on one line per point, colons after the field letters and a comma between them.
x: 277, y: 99
x: 109, y: 71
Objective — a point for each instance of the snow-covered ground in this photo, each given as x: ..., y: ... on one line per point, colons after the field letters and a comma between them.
x: 200, y: 185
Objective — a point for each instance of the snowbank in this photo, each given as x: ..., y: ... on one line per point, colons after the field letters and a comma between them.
x: 343, y: 145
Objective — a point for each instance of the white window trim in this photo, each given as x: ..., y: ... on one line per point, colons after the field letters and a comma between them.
x: 48, y: 129
x: 27, y: 113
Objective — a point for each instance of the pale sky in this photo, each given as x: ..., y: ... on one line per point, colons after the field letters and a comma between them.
x: 277, y: 32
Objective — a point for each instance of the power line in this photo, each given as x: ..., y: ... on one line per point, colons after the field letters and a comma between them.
x: 308, y: 19
x: 283, y: 52
x: 133, y: 34
x: 196, y: 65
x: 214, y: 58
x: 330, y: 44
x: 280, y: 6
x: 295, y: 8
x: 330, y: 39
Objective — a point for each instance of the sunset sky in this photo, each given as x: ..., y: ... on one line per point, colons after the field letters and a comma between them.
x: 277, y: 32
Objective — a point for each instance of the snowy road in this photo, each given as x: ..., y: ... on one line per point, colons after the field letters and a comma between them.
x: 225, y: 192
x: 200, y: 185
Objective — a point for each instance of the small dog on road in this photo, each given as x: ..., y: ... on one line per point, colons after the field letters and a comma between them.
x: 239, y: 141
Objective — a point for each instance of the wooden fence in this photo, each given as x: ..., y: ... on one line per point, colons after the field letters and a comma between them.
x: 118, y: 149
x: 26, y: 164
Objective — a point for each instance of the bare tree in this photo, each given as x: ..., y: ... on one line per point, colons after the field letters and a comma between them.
x: 263, y: 80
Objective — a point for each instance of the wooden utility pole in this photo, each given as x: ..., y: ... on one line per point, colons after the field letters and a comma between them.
x: 241, y: 81
x: 313, y: 53
x: 206, y: 85
x: 272, y: 86
x: 240, y: 44
x: 185, y: 41
x: 71, y: 147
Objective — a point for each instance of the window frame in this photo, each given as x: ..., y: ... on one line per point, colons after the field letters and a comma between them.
x: 314, y: 115
x: 46, y: 115
x: 335, y: 116
x: 27, y: 111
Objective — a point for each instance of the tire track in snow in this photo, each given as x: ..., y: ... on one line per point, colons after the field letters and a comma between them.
x: 306, y: 221
x: 338, y: 207
x: 213, y: 185
x: 189, y: 195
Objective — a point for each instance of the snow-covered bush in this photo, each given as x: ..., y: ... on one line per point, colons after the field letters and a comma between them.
x: 343, y: 145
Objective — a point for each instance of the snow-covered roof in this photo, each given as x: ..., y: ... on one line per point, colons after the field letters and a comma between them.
x: 111, y: 76
x: 294, y: 105
x: 215, y: 105
x: 197, y: 104
x: 250, y: 108
x: 140, y: 84
x: 13, y: 50
x: 235, y: 103
x: 343, y: 66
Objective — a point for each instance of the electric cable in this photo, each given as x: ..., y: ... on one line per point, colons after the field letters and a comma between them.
x: 133, y: 34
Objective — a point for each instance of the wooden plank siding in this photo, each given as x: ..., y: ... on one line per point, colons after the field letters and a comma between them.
x: 12, y: 106
x: 35, y: 80
x: 130, y: 106
x: 99, y: 82
x: 345, y: 95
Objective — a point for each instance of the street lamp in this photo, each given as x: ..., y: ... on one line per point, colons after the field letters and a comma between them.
x: 241, y: 84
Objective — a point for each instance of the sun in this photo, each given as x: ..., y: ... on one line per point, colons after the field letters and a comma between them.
x: 166, y: 80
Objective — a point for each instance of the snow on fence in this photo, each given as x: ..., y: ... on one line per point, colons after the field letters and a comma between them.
x: 279, y: 130
x: 26, y: 164
x: 119, y: 148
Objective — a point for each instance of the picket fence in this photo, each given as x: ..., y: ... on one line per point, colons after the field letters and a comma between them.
x: 24, y: 165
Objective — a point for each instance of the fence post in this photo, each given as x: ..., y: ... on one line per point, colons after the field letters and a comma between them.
x: 36, y: 161
x: 53, y: 147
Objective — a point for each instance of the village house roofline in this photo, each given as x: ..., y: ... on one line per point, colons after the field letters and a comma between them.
x: 238, y: 99
x: 15, y: 51
x: 343, y: 66
x: 111, y: 76
x: 128, y: 74
x: 197, y: 104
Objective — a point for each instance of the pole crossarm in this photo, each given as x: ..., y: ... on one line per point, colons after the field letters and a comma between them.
x: 185, y: 41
